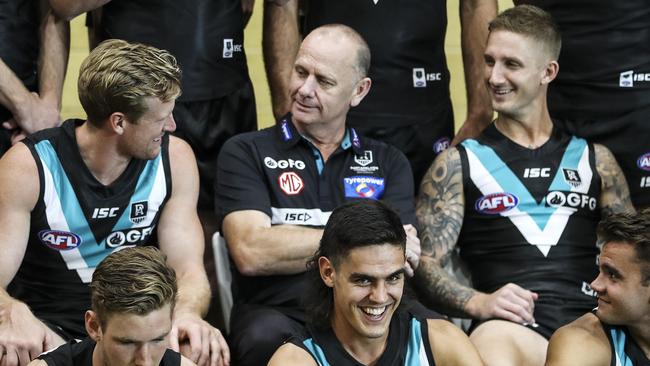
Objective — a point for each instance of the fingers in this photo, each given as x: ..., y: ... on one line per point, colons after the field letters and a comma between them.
x: 515, y: 303
x: 10, y: 124
x: 203, y: 347
x: 10, y: 357
x: 173, y: 339
x: 223, y: 347
x: 194, y: 336
x: 408, y: 270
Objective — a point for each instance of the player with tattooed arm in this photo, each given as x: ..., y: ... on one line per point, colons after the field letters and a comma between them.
x: 520, y: 204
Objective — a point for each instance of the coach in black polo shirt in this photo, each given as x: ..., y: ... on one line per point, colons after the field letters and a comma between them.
x: 277, y: 187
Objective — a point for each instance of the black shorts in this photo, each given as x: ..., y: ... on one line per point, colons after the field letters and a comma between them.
x: 5, y: 135
x: 421, y: 143
x: 206, y: 125
x: 628, y: 137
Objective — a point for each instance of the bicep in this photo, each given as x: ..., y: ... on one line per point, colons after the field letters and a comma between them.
x: 450, y: 346
x: 179, y: 230
x: 440, y: 206
x: 573, y: 346
x: 19, y: 189
x: 289, y: 354
x: 615, y: 194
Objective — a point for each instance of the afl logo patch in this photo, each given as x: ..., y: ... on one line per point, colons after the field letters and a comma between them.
x: 644, y: 162
x: 291, y: 183
x: 59, y: 240
x: 441, y: 145
x: 496, y: 203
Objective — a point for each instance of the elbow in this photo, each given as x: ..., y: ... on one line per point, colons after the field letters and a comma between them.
x: 247, y: 260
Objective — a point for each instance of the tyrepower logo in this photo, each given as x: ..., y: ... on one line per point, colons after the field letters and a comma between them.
x: 59, y: 240
x: 291, y: 183
x: 496, y: 203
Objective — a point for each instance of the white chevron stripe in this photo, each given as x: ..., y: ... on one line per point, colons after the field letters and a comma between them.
x: 56, y: 221
x: 542, y: 239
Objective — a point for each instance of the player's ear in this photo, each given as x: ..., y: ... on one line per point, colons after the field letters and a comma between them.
x: 327, y: 272
x: 360, y: 91
x: 117, y: 121
x: 93, y: 325
x: 550, y: 72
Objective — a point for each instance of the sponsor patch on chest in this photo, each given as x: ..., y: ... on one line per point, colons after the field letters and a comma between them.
x: 362, y: 186
x: 291, y: 183
x: 59, y: 240
x: 496, y: 203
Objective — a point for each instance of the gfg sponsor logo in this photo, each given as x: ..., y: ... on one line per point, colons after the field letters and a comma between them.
x: 572, y: 199
x: 283, y: 164
x: 131, y: 236
x: 59, y: 240
x: 496, y: 203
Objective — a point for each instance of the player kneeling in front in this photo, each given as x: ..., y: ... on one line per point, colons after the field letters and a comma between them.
x: 133, y: 296
x: 354, y: 306
x: 617, y: 332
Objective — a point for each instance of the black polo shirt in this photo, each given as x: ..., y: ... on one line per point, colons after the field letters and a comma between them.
x: 279, y: 172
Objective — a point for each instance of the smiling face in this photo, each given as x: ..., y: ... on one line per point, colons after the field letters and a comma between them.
x: 367, y: 288
x: 622, y: 298
x: 325, y: 81
x: 129, y: 339
x: 517, y: 73
x: 142, y: 138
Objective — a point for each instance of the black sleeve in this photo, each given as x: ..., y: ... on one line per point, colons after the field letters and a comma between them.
x: 399, y: 192
x: 241, y: 184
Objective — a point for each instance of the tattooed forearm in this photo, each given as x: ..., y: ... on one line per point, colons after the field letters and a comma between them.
x: 439, y: 291
x: 440, y: 210
x: 615, y: 194
x: 440, y: 206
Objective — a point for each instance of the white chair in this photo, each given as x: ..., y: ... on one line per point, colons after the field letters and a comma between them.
x: 224, y: 276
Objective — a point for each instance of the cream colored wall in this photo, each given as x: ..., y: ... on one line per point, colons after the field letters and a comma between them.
x: 253, y: 46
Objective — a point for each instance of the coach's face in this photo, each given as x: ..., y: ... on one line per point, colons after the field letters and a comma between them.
x: 367, y: 287
x: 130, y: 339
x: 325, y: 81
x: 622, y: 297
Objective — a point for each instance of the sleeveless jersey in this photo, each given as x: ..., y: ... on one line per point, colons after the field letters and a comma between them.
x: 604, y: 63
x: 410, y: 80
x: 81, y: 354
x: 78, y: 221
x: 530, y: 218
x: 625, y: 352
x: 407, y: 345
x: 206, y: 37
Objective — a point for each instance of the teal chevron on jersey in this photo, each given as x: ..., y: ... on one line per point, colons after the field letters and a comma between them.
x: 509, y: 182
x: 316, y: 352
x: 540, y: 223
x: 416, y: 353
x: 64, y: 211
x: 619, y: 339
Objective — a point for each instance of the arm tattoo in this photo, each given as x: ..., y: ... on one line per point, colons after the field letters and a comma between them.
x: 615, y: 194
x: 440, y: 210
